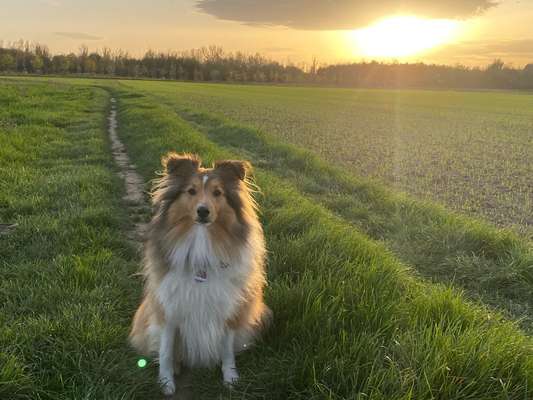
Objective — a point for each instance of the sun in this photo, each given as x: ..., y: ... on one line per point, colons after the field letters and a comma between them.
x: 403, y: 36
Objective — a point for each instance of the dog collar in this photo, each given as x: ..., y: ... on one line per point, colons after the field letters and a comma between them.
x: 201, y: 276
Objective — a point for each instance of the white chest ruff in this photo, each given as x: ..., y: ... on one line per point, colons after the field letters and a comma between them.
x: 200, y: 308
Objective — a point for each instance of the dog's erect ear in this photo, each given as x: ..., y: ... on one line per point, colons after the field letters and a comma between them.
x: 233, y: 169
x: 180, y: 164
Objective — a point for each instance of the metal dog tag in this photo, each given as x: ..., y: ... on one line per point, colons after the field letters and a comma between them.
x: 201, y: 276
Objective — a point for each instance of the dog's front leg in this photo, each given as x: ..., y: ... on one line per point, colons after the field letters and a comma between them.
x: 166, y: 359
x: 229, y: 369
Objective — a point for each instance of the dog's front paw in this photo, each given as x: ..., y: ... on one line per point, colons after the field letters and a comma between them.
x: 168, y: 387
x: 231, y: 376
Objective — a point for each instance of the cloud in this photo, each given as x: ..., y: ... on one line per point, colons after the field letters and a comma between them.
x: 51, y: 3
x: 485, y: 51
x: 522, y: 47
x: 335, y: 14
x: 78, y: 35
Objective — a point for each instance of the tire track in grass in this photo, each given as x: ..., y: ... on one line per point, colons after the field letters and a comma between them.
x: 133, y: 182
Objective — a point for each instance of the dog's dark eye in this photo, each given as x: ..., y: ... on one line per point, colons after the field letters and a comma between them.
x: 192, y: 191
x: 217, y: 193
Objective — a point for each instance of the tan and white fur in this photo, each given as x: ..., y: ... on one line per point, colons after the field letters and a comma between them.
x: 203, y: 269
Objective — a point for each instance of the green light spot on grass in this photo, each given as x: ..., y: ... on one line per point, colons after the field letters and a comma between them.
x: 141, y: 363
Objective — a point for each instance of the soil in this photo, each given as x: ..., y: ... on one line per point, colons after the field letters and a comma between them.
x: 134, y: 198
x: 6, y: 229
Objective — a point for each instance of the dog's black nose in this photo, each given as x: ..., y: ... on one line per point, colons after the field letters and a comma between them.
x: 203, y: 212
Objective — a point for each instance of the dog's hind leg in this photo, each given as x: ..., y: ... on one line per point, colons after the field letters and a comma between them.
x: 229, y: 369
x: 166, y: 358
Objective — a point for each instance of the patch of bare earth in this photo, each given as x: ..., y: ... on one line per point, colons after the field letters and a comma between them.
x: 135, y: 187
x: 6, y: 229
x: 138, y: 209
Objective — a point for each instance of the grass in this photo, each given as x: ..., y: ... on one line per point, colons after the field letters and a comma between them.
x: 66, y: 295
x: 493, y: 265
x: 350, y: 320
x: 442, y: 146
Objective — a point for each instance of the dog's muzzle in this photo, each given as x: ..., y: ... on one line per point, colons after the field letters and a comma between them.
x: 203, y: 214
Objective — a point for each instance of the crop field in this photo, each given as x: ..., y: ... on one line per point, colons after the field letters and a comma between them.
x: 376, y: 294
x: 471, y: 151
x: 441, y: 246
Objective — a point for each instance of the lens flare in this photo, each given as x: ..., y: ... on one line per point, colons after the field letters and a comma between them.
x: 142, y: 363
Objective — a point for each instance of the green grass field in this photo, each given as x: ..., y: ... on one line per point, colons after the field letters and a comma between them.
x: 443, y: 146
x: 66, y: 293
x: 490, y: 264
x: 350, y: 265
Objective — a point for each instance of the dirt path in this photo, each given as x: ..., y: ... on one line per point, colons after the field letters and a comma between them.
x: 6, y: 229
x: 135, y: 185
x: 138, y: 209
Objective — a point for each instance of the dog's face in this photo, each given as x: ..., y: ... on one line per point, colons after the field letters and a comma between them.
x: 202, y: 200
x: 211, y: 197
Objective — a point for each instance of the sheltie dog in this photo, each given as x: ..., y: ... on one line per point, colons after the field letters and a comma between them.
x: 204, y: 270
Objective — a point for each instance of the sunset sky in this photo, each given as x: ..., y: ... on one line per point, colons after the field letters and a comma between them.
x: 470, y: 32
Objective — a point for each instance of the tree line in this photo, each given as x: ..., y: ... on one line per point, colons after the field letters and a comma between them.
x: 214, y: 64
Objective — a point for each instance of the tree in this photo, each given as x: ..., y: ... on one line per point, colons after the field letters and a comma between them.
x: 60, y: 64
x: 36, y: 64
x: 7, y: 62
x: 212, y: 63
